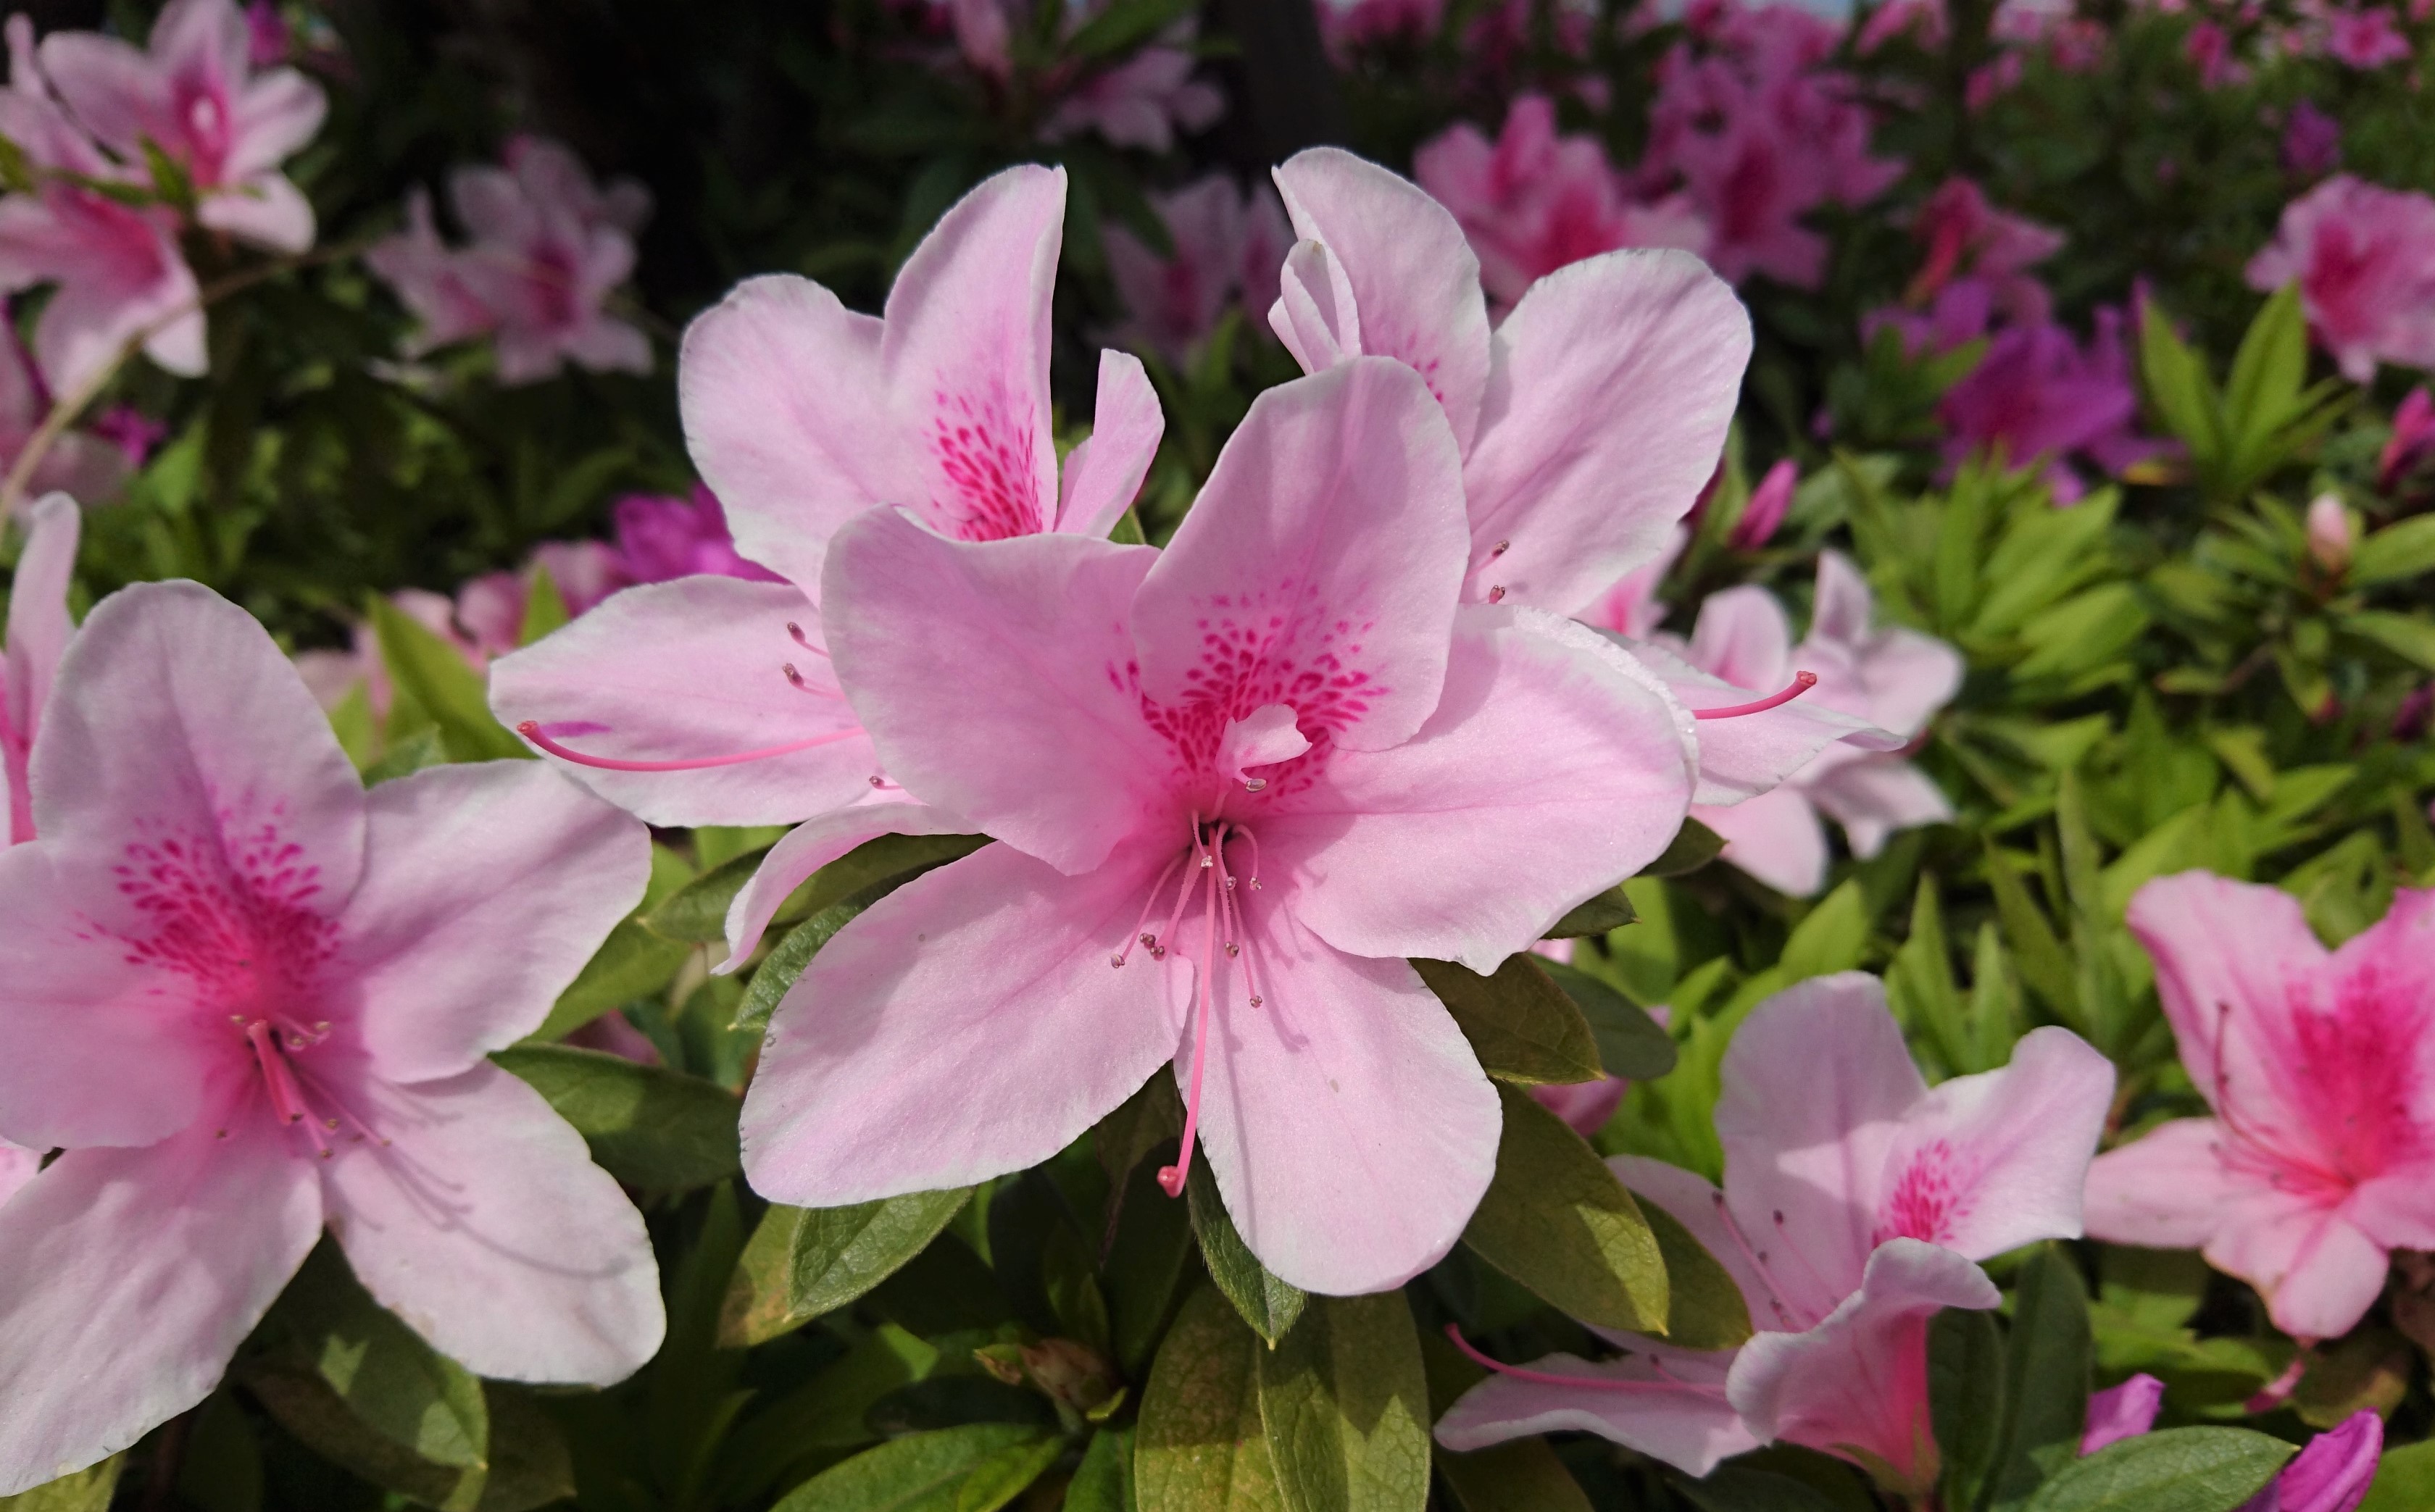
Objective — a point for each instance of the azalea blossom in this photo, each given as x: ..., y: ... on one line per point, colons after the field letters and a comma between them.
x: 2332, y: 1472
x: 2363, y: 38
x: 1348, y: 26
x: 2121, y: 1412
x: 1856, y: 1200
x: 1228, y: 246
x: 659, y: 538
x: 2412, y: 442
x: 1765, y: 510
x: 1965, y: 236
x: 2312, y: 141
x: 194, y: 95
x: 38, y: 630
x: 1630, y: 607
x: 548, y: 248
x: 2315, y: 1065
x: 84, y: 464
x: 1146, y: 101
x: 1587, y: 420
x: 1235, y: 783
x: 712, y: 700
x: 2364, y: 257
x: 1533, y: 200
x: 252, y: 999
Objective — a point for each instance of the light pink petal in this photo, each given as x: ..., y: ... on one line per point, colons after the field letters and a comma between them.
x: 1604, y: 412
x: 2233, y: 963
x: 1744, y: 755
x: 2317, y: 1271
x: 2396, y: 1207
x: 1264, y: 737
x: 1816, y: 1084
x: 968, y: 1025
x: 1909, y: 677
x: 1675, y: 1412
x: 606, y: 344
x: 1858, y: 1380
x: 1105, y: 472
x: 17, y: 1166
x: 484, y: 1225
x: 268, y: 211
x: 692, y: 670
x: 1743, y: 637
x: 1413, y: 275
x: 2384, y: 977
x: 137, y: 281
x: 39, y: 626
x: 145, y: 1268
x: 1349, y: 1125
x: 807, y: 847
x: 204, y: 36
x: 2335, y: 1473
x: 966, y: 351
x: 115, y: 90
x: 1700, y: 1208
x: 1554, y: 765
x: 1631, y: 608
x: 2170, y: 1189
x: 1993, y: 1162
x: 1315, y: 314
x: 277, y: 113
x: 1873, y: 798
x: 1320, y: 567
x: 486, y: 888
x: 991, y: 676
x: 2121, y: 1412
x: 786, y: 415
x: 1843, y: 605
x: 1775, y: 837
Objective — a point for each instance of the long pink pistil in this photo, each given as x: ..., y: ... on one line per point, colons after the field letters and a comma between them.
x: 531, y: 730
x: 1550, y: 1377
x: 1171, y: 1177
x: 1802, y: 682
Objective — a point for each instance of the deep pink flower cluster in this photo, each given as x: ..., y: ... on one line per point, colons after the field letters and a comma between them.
x: 1228, y: 244
x: 2364, y: 258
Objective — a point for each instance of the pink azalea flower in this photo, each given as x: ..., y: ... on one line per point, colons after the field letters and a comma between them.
x: 1145, y: 102
x: 1966, y: 235
x: 2039, y: 394
x: 1227, y: 247
x: 660, y: 538
x: 1923, y: 20
x: 1235, y: 783
x: 194, y: 95
x: 1856, y: 1202
x: 1347, y: 25
x: 1631, y: 607
x: 2312, y: 141
x: 117, y: 272
x: 38, y: 630
x: 1534, y: 201
x: 2208, y: 47
x: 548, y: 248
x: 1765, y: 510
x: 1587, y: 420
x: 2317, y: 1161
x: 2412, y: 439
x: 2364, y: 39
x: 252, y: 999
x: 267, y: 37
x: 2121, y: 1412
x: 2365, y: 260
x: 2328, y: 528
x: 88, y: 465
x: 711, y: 700
x: 2332, y: 1473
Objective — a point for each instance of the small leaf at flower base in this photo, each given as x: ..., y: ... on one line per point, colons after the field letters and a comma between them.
x: 1557, y: 1220
x: 2175, y: 1469
x: 1520, y: 1024
x: 1200, y: 1445
x: 2405, y: 1480
x: 431, y: 672
x: 632, y: 963
x: 1104, y: 1481
x: 1630, y: 1043
x: 86, y: 1491
x: 695, y: 914
x: 1268, y: 1304
x: 1704, y: 1310
x: 221, y: 1467
x: 648, y: 1127
x: 1694, y: 846
x: 375, y: 1371
x: 978, y: 1467
x: 804, y: 1262
x: 1609, y: 910
x: 1965, y: 1394
x: 1344, y: 1402
x: 1739, y: 1489
x: 2048, y: 1358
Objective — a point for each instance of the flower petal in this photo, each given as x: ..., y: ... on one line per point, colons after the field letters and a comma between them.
x: 1700, y: 1208
x: 1104, y: 473
x: 1775, y: 837
x: 993, y: 679
x: 2318, y: 1272
x: 807, y: 847
x: 145, y: 1268
x: 484, y: 1225
x: 966, y: 1026
x: 1743, y: 637
x: 1553, y: 765
x: 39, y: 626
x: 1320, y: 567
x: 268, y: 211
x: 1604, y: 412
x: 1872, y: 798
x: 2169, y: 1189
x: 1675, y: 1412
x: 486, y: 888
x: 694, y: 669
x: 1744, y: 755
x: 2233, y: 963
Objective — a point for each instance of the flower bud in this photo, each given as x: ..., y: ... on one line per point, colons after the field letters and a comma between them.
x: 2329, y: 534
x: 1765, y: 511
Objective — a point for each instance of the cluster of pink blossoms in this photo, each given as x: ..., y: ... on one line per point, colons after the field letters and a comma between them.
x: 1227, y: 247
x: 2364, y: 258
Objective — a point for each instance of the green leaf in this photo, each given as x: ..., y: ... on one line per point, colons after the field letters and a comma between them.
x: 407, y: 755
x: 1694, y: 846
x: 2044, y: 963
x: 889, y: 858
x: 1631, y: 1045
x: 2048, y: 1356
x: 430, y: 671
x: 1268, y: 1304
x: 1704, y: 1308
x: 2405, y: 1480
x: 779, y: 970
x: 1344, y: 1402
x: 2398, y: 551
x: 1557, y: 1220
x: 804, y: 1262
x: 1200, y: 1445
x: 1609, y: 910
x: 1966, y: 1393
x: 647, y: 1126
x: 1520, y: 1024
x: 86, y: 1491
x: 2177, y: 1470
x: 378, y: 1370
x: 2407, y: 636
x: 632, y: 963
x: 1831, y: 937
x: 1145, y: 1266
x: 1104, y: 1481
x: 1127, y: 24
x: 977, y: 1467
x: 2178, y: 386
x: 2268, y: 372
x: 1739, y: 1489
x: 695, y: 914
x: 221, y: 1469
x: 544, y: 607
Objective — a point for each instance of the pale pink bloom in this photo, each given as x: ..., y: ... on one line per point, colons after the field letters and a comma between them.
x: 1967, y: 236
x: 1765, y: 510
x: 1145, y: 102
x: 1856, y: 1201
x: 39, y: 631
x: 489, y: 613
x: 1534, y: 200
x: 1346, y: 25
x: 2364, y: 257
x: 84, y: 464
x: 2329, y: 533
x: 1991, y: 81
x: 2412, y: 439
x: 118, y: 274
x: 711, y: 700
x: 253, y: 1000
x: 2121, y: 1412
x: 2208, y: 47
x: 548, y: 247
x: 194, y: 95
x: 1587, y: 420
x: 2364, y: 39
x: 1923, y: 20
x: 1228, y: 246
x: 2321, y: 1072
x: 1235, y: 784
x: 1631, y: 607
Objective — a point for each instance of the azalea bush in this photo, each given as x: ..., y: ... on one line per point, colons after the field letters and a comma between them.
x: 1516, y: 755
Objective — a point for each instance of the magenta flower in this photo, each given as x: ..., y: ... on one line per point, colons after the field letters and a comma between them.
x: 1347, y: 25
x: 2208, y: 47
x: 1765, y: 511
x: 661, y: 538
x: 1856, y: 1202
x: 2412, y: 439
x: 1967, y: 236
x: 2038, y: 395
x: 548, y: 248
x: 194, y: 95
x: 2312, y: 141
x: 252, y: 999
x: 1588, y: 419
x: 2121, y: 1412
x: 1235, y: 783
x: 2364, y: 39
x: 90, y: 465
x: 2332, y: 1473
x: 1147, y: 101
x: 2364, y: 257
x: 2315, y: 1162
x: 1228, y: 244
x: 38, y: 630
x: 1533, y: 201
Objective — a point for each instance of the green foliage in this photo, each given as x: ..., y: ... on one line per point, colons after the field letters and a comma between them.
x: 647, y: 1126
x: 2175, y: 1469
x: 1521, y: 1025
x: 1557, y: 1220
x: 801, y: 1262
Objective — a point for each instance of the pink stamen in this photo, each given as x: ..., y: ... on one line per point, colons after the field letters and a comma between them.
x: 801, y: 638
x: 1549, y: 1378
x: 1171, y: 1177
x: 531, y: 729
x: 1182, y: 894
x: 1802, y: 682
x: 1758, y: 1262
x: 1135, y: 937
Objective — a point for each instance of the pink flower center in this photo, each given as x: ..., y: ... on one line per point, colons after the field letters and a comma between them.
x: 984, y: 455
x: 1926, y: 1198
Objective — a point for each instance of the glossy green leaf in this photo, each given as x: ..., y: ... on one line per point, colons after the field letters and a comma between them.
x: 85, y: 1490
x: 632, y: 963
x: 2175, y: 1469
x: 1609, y: 910
x: 2405, y: 1480
x: 1965, y: 1394
x: 1557, y: 1220
x: 1104, y: 1481
x: 647, y: 1126
x: 1520, y: 1024
x: 1704, y: 1308
x: 376, y: 1369
x: 1344, y: 1403
x: 1268, y: 1304
x: 695, y: 914
x: 801, y: 1262
x: 889, y: 858
x: 1200, y: 1445
x: 1631, y: 1045
x: 779, y: 970
x: 977, y: 1467
x: 1694, y: 846
x: 2048, y: 1356
x: 432, y: 672
x: 2410, y: 636
x: 2403, y: 550
x: 1833, y: 937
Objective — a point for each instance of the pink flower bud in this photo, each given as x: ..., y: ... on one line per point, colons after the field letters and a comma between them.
x: 1766, y: 508
x: 2332, y: 1474
x: 2329, y: 534
x: 2122, y: 1412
